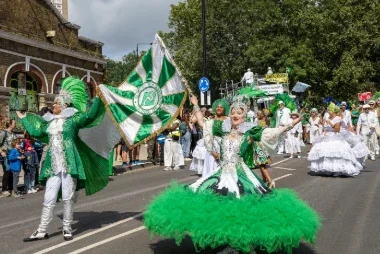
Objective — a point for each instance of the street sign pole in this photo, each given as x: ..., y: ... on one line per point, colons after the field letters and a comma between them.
x: 203, y: 94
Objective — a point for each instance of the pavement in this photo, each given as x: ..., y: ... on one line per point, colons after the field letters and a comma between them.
x: 110, y: 221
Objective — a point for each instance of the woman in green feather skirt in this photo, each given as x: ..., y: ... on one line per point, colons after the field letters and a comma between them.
x: 233, y: 206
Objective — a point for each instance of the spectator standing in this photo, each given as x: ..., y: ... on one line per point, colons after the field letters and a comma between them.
x: 15, y: 157
x: 6, y: 138
x: 185, y: 131
x: 151, y: 149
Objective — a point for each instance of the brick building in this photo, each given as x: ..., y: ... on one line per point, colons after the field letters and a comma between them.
x: 38, y: 47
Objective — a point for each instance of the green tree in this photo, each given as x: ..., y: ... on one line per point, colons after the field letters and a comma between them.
x: 333, y: 45
x: 117, y: 71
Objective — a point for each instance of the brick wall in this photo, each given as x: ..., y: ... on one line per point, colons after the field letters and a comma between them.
x: 33, y: 18
x: 48, y: 69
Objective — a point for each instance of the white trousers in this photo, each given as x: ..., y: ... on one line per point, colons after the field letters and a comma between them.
x: 282, y: 144
x: 370, y: 141
x: 53, y: 185
x: 293, y: 143
x: 173, y: 155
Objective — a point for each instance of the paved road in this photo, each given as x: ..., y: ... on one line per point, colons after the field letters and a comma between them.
x: 110, y: 221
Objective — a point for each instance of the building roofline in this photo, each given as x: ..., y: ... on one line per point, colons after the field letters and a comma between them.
x: 47, y: 46
x: 62, y: 20
x: 91, y: 41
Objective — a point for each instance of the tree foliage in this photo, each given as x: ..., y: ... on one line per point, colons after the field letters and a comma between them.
x: 117, y: 71
x: 333, y: 45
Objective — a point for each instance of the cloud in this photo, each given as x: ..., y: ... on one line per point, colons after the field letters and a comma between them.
x: 120, y: 24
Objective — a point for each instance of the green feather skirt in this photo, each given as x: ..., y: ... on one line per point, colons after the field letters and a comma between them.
x: 275, y: 221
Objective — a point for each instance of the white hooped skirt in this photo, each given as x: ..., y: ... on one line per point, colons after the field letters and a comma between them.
x: 332, y: 155
x: 203, y: 162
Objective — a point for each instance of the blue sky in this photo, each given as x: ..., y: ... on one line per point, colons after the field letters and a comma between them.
x: 120, y: 24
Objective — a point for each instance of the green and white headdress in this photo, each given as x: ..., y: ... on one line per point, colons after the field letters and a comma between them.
x: 222, y: 102
x: 73, y: 92
x: 242, y: 102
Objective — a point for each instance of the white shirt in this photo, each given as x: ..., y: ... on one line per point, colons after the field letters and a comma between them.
x: 251, y: 116
x: 365, y: 122
x: 346, y: 119
x: 248, y: 77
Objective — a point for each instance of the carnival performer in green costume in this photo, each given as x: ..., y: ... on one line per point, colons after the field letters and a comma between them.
x: 70, y: 163
x: 233, y: 206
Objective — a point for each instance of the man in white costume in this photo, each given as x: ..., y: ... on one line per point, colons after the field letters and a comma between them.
x: 282, y: 118
x: 251, y: 115
x: 375, y: 112
x: 248, y: 78
x: 346, y: 115
x: 366, y: 127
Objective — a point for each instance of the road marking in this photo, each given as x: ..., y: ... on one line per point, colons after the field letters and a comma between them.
x: 97, y: 202
x: 89, y: 234
x: 278, y: 178
x: 291, y: 169
x: 108, y: 227
x: 107, y: 240
x: 278, y: 162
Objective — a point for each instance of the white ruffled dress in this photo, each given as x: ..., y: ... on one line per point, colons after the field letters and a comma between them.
x: 333, y: 155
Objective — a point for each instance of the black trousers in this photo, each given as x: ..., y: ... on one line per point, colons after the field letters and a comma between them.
x: 194, y: 140
x: 7, y: 183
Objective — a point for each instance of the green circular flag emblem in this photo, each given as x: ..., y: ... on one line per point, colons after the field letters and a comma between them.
x: 148, y: 98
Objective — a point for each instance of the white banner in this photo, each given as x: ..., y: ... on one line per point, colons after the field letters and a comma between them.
x: 272, y: 89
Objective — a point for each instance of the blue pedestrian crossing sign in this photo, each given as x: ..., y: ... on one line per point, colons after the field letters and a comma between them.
x: 204, y: 84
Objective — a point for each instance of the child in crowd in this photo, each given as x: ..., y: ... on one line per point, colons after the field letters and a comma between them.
x: 31, y: 163
x: 15, y: 158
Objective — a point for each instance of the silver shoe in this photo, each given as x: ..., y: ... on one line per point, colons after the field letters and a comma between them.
x: 67, y: 235
x: 37, y: 236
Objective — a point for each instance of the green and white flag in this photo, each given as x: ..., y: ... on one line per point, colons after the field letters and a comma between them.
x: 150, y: 99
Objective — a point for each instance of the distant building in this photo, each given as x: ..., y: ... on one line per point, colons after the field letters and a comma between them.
x: 62, y: 7
x: 39, y: 47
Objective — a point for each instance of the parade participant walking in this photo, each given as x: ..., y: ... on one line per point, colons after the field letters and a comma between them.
x: 315, y: 125
x: 346, y: 115
x: 331, y: 154
x: 6, y: 138
x: 366, y: 128
x: 355, y: 113
x: 294, y: 136
x: 230, y: 207
x: 376, y: 113
x: 262, y: 157
x: 70, y: 164
x: 203, y: 162
x: 305, y: 125
x: 282, y: 119
x: 173, y: 154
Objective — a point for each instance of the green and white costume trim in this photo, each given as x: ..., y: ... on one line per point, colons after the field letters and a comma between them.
x: 241, y: 210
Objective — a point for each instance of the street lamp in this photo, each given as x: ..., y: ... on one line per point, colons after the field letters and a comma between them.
x: 137, y: 48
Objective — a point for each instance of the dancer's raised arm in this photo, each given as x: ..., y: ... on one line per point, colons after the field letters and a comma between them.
x: 197, y: 111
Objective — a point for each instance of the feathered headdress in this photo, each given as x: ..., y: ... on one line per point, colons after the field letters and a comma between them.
x: 242, y: 102
x: 73, y: 92
x: 286, y: 99
x: 250, y: 92
x: 223, y: 103
x: 334, y: 108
